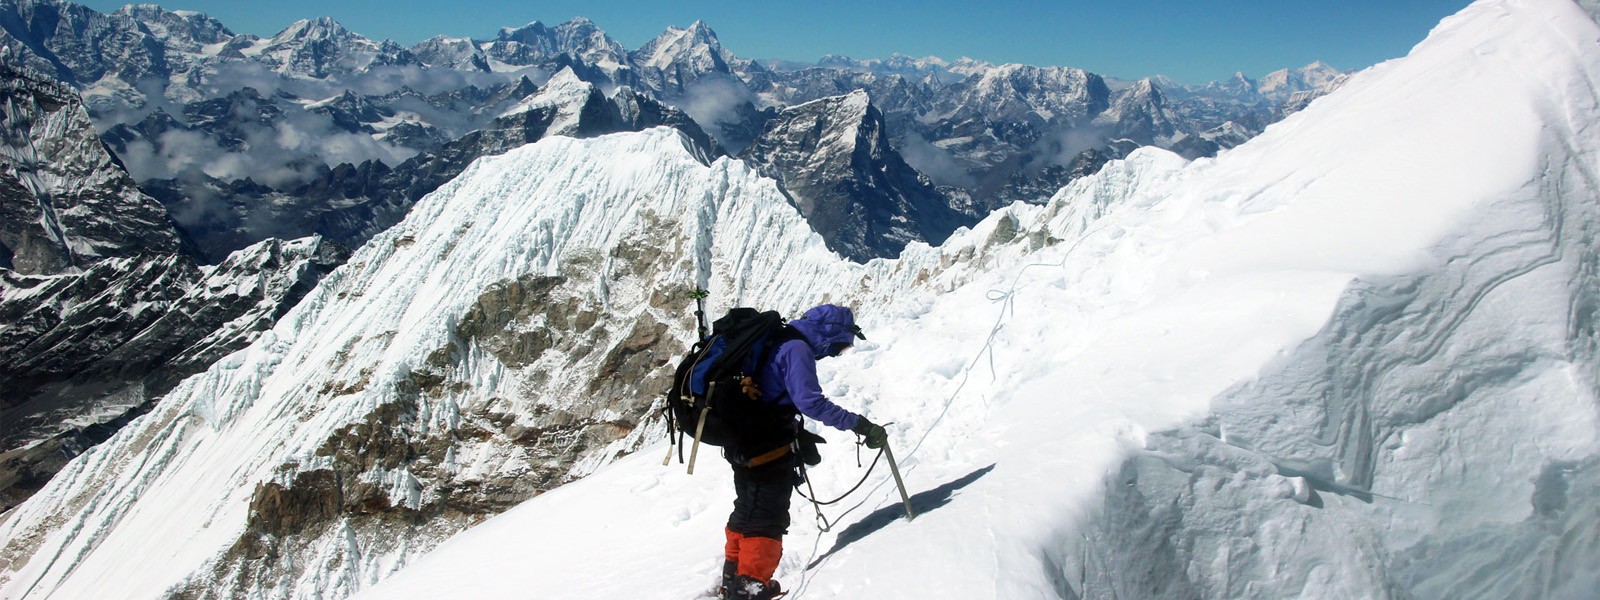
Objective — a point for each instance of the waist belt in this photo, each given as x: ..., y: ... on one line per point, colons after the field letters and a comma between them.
x: 775, y: 454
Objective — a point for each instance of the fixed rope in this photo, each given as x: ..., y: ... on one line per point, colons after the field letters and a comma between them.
x: 1007, y: 299
x: 822, y: 520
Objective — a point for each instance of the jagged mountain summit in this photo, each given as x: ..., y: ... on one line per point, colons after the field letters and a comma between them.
x: 317, y: 48
x: 1323, y: 364
x: 679, y: 58
x: 832, y: 156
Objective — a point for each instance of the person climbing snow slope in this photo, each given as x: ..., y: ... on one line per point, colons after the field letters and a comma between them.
x: 764, y: 465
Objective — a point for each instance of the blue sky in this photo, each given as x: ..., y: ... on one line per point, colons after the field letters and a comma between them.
x: 1191, y: 40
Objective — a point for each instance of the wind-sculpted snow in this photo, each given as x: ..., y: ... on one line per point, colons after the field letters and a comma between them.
x: 1352, y: 358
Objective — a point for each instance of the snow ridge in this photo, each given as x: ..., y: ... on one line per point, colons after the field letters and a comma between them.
x: 228, y: 445
x: 1323, y: 365
x: 1277, y: 346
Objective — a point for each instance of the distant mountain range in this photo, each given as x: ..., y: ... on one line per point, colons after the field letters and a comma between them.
x: 233, y: 131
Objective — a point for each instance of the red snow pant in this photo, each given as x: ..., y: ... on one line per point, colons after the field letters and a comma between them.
x: 760, y: 516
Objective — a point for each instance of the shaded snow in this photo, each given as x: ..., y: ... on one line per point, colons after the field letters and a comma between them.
x: 1173, y: 288
x: 1089, y: 398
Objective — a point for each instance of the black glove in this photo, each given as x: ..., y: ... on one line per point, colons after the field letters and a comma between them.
x: 877, y: 437
x: 808, y: 447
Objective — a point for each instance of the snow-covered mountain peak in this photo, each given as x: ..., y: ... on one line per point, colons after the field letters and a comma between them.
x: 1315, y: 77
x: 1010, y: 91
x: 849, y: 107
x: 451, y: 52
x: 187, y: 30
x: 320, y: 28
x: 970, y: 66
x: 834, y: 158
x: 530, y: 33
x: 318, y: 48
x: 584, y: 39
x: 823, y: 130
x: 696, y: 48
x: 896, y: 64
x: 702, y: 33
x: 578, y: 38
x: 567, y: 94
x: 565, y: 82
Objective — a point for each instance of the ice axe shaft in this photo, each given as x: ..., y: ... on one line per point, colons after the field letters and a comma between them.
x: 894, y: 469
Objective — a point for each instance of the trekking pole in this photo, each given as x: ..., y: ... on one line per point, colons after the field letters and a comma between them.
x: 894, y: 469
x: 700, y: 427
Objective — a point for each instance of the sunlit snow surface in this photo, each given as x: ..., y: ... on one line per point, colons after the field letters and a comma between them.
x: 1457, y: 183
x: 1425, y: 232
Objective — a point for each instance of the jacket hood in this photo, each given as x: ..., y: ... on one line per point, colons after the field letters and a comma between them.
x: 824, y: 326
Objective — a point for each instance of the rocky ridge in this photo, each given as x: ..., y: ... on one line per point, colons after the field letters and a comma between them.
x: 65, y: 199
x: 833, y: 158
x: 103, y: 306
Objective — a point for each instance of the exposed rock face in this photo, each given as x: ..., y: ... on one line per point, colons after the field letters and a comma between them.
x: 85, y: 353
x: 833, y: 158
x: 102, y: 307
x: 78, y: 45
x: 65, y: 201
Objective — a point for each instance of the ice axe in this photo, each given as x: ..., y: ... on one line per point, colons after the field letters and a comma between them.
x: 894, y: 469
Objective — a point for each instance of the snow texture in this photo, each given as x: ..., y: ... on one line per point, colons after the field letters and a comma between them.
x: 1361, y: 345
x: 1352, y: 358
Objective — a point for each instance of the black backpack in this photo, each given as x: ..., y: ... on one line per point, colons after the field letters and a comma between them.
x: 716, y: 380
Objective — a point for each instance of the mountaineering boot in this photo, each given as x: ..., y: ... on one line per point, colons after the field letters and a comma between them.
x: 750, y: 588
x: 730, y: 573
x: 730, y: 562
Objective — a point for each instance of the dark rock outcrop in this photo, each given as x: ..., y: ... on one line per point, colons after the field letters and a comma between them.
x: 65, y: 201
x: 833, y: 158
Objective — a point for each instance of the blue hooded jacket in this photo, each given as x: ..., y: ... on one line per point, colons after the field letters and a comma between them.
x: 789, y: 378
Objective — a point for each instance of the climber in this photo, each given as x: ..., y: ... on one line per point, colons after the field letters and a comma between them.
x: 764, y: 469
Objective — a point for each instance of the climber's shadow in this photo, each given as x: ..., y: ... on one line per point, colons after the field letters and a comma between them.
x: 922, y: 503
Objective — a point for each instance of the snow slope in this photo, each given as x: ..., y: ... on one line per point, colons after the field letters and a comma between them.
x: 1175, y: 380
x: 1353, y: 358
x: 224, y: 472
